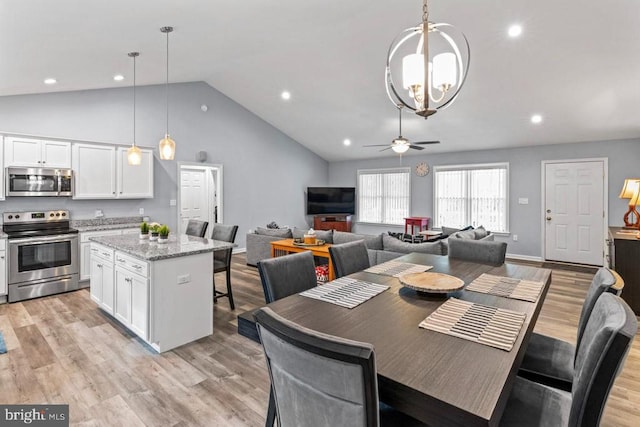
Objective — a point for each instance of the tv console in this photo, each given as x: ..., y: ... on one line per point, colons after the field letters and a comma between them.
x: 338, y: 222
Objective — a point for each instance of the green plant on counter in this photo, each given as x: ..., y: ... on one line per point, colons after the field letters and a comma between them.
x: 154, y: 227
x: 144, y: 228
x: 164, y: 231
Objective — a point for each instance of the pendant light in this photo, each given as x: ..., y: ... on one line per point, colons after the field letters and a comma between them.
x: 134, y: 155
x: 167, y: 145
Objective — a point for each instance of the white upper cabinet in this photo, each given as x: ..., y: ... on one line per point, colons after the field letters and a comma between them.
x: 102, y: 172
x: 94, y: 167
x: 28, y: 152
x: 135, y: 182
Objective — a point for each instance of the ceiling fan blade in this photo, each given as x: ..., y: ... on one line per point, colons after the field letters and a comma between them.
x: 377, y: 145
x: 385, y: 149
x: 415, y: 147
x: 426, y: 142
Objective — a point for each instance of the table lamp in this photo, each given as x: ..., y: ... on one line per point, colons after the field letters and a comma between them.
x: 631, y: 191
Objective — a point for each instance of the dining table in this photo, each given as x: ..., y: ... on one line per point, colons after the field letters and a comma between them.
x: 434, y: 377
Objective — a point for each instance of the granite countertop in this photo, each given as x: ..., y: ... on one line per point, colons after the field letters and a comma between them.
x: 178, y: 245
x: 98, y: 224
x: 100, y: 227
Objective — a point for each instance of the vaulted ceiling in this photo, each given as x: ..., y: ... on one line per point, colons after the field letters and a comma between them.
x: 577, y: 64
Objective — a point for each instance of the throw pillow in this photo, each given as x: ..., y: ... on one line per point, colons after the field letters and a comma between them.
x: 372, y: 242
x: 285, y: 233
x: 392, y: 244
x: 449, y: 230
x: 272, y: 224
x: 467, y: 234
x: 480, y: 233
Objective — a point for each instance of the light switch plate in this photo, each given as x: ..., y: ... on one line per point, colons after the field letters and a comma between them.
x: 141, y: 211
x: 523, y: 201
x: 99, y: 213
x: 185, y: 278
x: 172, y: 202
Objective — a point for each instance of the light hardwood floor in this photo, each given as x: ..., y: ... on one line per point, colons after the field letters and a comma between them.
x: 62, y: 349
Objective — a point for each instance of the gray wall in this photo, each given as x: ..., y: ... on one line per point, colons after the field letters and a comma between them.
x: 525, y: 181
x: 265, y: 171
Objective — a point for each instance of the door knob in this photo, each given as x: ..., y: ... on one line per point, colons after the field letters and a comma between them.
x: 548, y: 218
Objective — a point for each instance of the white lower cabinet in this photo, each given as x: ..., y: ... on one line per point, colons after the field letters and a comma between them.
x: 85, y: 247
x: 132, y: 301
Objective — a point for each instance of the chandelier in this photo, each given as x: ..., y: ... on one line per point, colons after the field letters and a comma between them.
x: 437, y: 88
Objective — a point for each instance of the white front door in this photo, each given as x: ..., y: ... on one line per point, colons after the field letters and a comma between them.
x: 194, y: 203
x: 574, y: 212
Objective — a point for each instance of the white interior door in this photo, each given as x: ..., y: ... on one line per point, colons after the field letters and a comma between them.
x: 194, y: 203
x: 574, y: 212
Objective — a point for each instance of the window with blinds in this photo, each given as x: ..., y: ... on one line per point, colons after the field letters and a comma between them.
x: 472, y: 195
x: 384, y: 195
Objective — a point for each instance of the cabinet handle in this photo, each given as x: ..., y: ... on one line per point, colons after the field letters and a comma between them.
x: 2, y: 257
x: 120, y: 260
x: 121, y: 192
x: 137, y: 267
x: 114, y: 192
x: 105, y: 254
x: 39, y: 161
x: 94, y: 250
x: 43, y: 162
x: 99, y: 265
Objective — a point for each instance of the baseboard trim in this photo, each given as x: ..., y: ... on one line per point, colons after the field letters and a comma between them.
x: 524, y: 257
x: 239, y: 250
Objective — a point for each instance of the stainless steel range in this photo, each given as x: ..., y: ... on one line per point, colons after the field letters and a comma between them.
x: 43, y: 254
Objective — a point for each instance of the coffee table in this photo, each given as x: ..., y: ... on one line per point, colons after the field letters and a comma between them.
x: 286, y: 246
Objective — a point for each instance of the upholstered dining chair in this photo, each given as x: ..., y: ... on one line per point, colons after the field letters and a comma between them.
x: 222, y: 259
x: 321, y: 380
x: 492, y: 253
x: 551, y: 361
x: 287, y: 275
x: 196, y: 228
x: 606, y: 340
x: 349, y: 257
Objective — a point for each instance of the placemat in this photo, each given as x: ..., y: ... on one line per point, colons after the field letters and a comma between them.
x: 495, y: 327
x: 526, y: 290
x: 345, y: 292
x: 397, y: 268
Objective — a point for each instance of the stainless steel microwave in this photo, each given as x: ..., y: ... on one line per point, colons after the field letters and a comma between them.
x: 38, y: 182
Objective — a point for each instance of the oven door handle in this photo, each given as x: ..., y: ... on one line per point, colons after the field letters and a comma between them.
x: 47, y: 239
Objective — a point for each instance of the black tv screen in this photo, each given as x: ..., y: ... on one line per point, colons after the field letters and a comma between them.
x: 331, y: 200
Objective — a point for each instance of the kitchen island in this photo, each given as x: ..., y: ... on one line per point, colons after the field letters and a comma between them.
x: 162, y: 292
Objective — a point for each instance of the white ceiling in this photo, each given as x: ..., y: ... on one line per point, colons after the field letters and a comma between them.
x: 577, y: 63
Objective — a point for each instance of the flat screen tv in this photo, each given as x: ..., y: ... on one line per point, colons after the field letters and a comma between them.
x: 331, y: 200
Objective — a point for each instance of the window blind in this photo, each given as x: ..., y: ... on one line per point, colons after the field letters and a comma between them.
x: 384, y: 195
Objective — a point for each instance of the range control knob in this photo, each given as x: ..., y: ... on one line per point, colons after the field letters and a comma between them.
x: 64, y: 214
x: 17, y: 216
x: 10, y: 217
x: 51, y: 214
x: 57, y: 213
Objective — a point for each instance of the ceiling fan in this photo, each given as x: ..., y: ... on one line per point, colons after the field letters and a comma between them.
x: 402, y: 144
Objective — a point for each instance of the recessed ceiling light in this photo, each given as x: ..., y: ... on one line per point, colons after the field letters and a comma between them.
x: 515, y: 30
x: 50, y: 81
x: 286, y: 95
x: 118, y: 77
x: 347, y: 142
x: 536, y: 118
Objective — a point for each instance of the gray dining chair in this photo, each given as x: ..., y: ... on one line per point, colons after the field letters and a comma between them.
x: 321, y: 380
x: 287, y: 275
x: 606, y: 340
x: 482, y: 252
x: 222, y: 259
x: 349, y: 257
x: 196, y: 228
x: 551, y: 361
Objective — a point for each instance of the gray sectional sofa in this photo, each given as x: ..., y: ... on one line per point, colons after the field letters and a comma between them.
x: 381, y: 248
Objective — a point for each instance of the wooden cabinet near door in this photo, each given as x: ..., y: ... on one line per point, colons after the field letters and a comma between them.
x: 624, y: 259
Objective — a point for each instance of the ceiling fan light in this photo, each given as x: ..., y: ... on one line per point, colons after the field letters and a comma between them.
x: 445, y: 71
x: 400, y: 148
x: 134, y: 156
x: 413, y: 70
x: 167, y: 148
